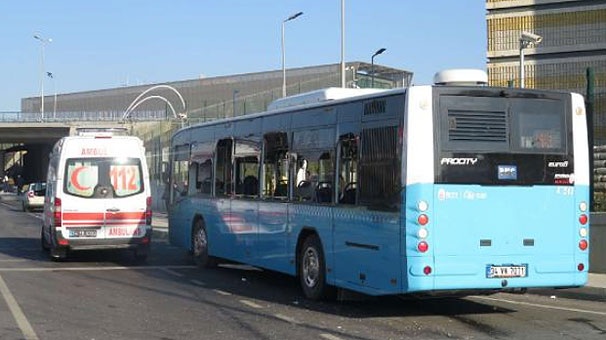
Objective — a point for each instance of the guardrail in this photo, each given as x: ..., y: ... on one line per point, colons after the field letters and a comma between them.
x: 29, y: 117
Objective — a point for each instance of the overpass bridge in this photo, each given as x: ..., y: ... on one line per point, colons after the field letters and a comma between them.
x: 29, y: 139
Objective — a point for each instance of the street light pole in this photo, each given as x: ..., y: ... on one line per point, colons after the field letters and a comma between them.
x: 372, y: 65
x: 292, y: 17
x: 527, y: 39
x: 343, y: 43
x: 42, y: 42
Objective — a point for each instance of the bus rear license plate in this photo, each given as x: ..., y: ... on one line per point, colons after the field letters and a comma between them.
x: 505, y: 271
x: 83, y: 233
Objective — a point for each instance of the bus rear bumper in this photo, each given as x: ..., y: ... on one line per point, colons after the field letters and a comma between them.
x: 457, y: 273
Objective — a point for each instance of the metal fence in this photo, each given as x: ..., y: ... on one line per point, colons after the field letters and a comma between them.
x: 82, y: 116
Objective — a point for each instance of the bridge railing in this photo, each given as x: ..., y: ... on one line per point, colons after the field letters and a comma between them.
x: 32, y: 117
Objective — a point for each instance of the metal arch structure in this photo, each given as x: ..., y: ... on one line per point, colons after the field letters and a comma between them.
x: 136, y: 102
x: 149, y: 98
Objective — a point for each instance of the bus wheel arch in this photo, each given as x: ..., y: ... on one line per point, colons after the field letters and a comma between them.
x: 311, y: 265
x: 200, y: 242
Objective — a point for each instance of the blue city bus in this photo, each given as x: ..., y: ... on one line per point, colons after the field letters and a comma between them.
x: 426, y: 189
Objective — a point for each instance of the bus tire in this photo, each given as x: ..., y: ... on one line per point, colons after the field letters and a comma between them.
x: 200, y: 246
x: 312, y: 270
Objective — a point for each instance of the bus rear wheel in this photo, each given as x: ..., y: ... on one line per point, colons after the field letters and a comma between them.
x: 312, y: 270
x: 200, y: 246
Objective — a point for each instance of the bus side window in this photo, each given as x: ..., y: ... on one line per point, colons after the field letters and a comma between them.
x: 314, y: 177
x: 275, y: 166
x: 348, y: 169
x: 180, y: 172
x: 247, y: 155
x: 380, y: 168
x: 223, y: 172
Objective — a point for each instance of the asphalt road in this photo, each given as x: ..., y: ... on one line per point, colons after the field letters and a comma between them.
x: 107, y: 295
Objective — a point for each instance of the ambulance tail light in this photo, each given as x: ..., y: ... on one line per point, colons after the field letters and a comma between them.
x: 148, y: 211
x: 57, y: 212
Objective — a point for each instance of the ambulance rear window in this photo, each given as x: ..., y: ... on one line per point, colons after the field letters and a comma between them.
x: 120, y: 177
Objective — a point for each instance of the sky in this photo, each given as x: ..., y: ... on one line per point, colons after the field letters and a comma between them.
x: 111, y: 43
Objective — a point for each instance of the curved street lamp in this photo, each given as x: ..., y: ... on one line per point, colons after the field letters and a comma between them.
x: 292, y: 17
x: 42, y: 42
x: 372, y: 65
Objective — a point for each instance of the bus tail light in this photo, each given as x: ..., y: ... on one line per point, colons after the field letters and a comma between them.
x: 581, y: 267
x: 583, y: 206
x: 423, y: 246
x: 583, y: 219
x: 427, y: 270
x: 422, y: 233
x: 422, y: 206
x: 583, y: 232
x: 583, y: 244
x: 148, y: 211
x: 423, y: 219
x: 57, y: 213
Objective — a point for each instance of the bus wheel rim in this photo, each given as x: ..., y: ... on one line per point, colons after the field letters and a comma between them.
x: 200, y: 242
x: 311, y: 267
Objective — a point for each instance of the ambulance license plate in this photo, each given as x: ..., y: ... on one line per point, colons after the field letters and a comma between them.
x: 83, y: 233
x: 505, y: 271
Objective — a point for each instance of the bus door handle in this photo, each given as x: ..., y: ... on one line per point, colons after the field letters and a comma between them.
x: 112, y: 210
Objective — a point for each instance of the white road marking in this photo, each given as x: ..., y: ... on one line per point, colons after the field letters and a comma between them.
x: 24, y: 325
x: 196, y: 282
x: 250, y: 304
x: 286, y: 318
x: 576, y: 310
x: 171, y: 272
x: 329, y: 336
x: 14, y: 260
x: 218, y: 291
x: 67, y: 269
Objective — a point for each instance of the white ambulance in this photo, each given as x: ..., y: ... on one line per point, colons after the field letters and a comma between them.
x: 97, y: 194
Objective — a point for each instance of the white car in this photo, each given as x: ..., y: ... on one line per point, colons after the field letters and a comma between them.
x: 33, y: 197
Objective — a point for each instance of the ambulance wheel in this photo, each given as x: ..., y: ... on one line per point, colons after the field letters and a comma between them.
x: 312, y: 270
x: 57, y: 254
x: 43, y: 242
x: 200, y: 246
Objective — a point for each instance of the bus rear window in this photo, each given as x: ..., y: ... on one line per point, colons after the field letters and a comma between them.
x: 540, y: 130
x: 120, y: 176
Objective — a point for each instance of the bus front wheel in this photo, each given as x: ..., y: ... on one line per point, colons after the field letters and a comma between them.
x: 312, y: 270
x: 200, y: 246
